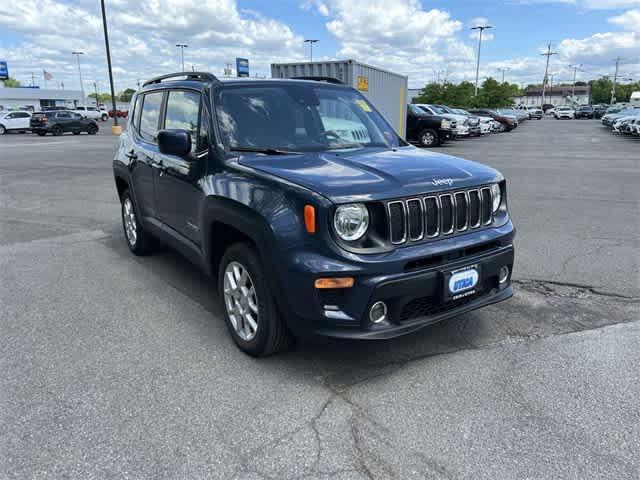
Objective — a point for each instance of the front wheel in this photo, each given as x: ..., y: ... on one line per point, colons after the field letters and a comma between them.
x: 57, y: 130
x: 92, y: 129
x: 105, y: 117
x: 42, y: 133
x: 429, y: 138
x: 3, y: 130
x: 249, y: 307
x: 138, y: 240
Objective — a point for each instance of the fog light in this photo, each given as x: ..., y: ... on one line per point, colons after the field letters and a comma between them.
x: 378, y: 312
x: 503, y: 276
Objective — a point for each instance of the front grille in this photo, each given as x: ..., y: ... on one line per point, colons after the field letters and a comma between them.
x: 427, y: 307
x: 414, y: 219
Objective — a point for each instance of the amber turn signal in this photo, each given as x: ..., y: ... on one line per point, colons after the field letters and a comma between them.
x: 310, y: 218
x: 342, y: 282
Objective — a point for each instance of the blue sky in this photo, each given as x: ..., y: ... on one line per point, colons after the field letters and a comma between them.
x: 413, y: 37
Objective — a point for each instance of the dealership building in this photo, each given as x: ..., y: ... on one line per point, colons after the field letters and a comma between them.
x: 35, y: 98
x: 559, y: 95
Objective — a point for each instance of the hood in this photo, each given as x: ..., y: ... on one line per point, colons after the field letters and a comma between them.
x: 373, y: 173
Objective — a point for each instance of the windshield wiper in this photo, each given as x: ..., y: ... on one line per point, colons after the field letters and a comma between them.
x: 266, y: 151
x: 341, y: 146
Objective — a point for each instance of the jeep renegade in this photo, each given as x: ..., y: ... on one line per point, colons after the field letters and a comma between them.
x: 315, y: 217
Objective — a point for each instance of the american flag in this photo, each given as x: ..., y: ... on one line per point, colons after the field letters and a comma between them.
x: 46, y: 75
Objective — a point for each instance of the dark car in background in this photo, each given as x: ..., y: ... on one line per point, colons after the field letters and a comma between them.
x: 599, y: 111
x: 61, y: 121
x: 428, y: 130
x: 584, y: 111
x: 507, y: 122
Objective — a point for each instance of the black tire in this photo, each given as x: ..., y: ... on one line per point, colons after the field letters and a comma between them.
x: 502, y: 128
x: 57, y: 130
x: 76, y: 132
x: 271, y: 334
x: 429, y: 138
x: 144, y: 243
x: 104, y: 117
x: 92, y: 129
x: 42, y: 133
x: 3, y: 130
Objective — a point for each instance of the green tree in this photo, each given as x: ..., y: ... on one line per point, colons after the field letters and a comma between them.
x: 125, y: 96
x: 11, y: 82
x: 102, y: 97
x: 490, y: 94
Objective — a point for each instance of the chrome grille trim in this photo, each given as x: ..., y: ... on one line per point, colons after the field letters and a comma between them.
x: 404, y: 210
x: 417, y: 227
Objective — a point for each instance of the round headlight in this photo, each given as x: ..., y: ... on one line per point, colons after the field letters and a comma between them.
x: 351, y: 221
x: 496, y: 196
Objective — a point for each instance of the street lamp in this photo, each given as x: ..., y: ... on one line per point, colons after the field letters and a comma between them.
x: 481, y: 28
x: 503, y: 70
x: 77, y: 54
x: 182, y: 46
x: 114, y: 129
x: 311, y: 42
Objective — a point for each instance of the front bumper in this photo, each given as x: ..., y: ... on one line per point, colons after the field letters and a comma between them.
x: 412, y: 286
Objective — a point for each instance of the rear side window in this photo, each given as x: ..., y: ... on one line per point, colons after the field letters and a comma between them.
x: 150, y: 115
x: 137, y: 109
x: 63, y: 115
x: 183, y: 109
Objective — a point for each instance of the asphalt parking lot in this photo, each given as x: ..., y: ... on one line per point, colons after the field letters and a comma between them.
x: 113, y: 366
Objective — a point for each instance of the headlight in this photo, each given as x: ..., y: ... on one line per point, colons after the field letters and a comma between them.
x: 351, y: 221
x: 444, y: 124
x: 496, y: 197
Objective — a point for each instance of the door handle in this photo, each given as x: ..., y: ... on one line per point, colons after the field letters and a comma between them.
x: 160, y: 166
x: 131, y: 155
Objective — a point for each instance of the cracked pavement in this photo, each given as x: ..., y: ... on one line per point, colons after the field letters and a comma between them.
x: 119, y: 367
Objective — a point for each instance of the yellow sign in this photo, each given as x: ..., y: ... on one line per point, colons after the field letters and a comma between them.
x: 364, y: 105
x: 363, y: 84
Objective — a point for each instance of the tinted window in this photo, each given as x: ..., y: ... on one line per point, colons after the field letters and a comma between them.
x: 80, y: 108
x: 63, y: 115
x: 203, y: 137
x: 136, y: 112
x: 150, y: 115
x: 76, y: 116
x: 182, y: 112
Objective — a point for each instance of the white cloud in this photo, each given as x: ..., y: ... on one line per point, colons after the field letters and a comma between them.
x: 318, y: 5
x: 142, y: 38
x: 586, y: 4
x: 629, y: 20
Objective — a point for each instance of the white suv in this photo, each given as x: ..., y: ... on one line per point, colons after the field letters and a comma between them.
x: 17, y: 121
x: 94, y: 113
x: 565, y: 112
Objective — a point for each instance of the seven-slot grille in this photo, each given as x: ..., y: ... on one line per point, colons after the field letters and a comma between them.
x: 417, y: 218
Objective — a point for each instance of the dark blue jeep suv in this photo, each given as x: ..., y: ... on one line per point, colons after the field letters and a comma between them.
x: 313, y: 214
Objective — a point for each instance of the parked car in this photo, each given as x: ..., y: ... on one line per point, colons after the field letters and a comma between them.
x: 308, y: 234
x: 94, y: 113
x: 475, y: 127
x: 17, y: 121
x: 59, y: 122
x: 535, y: 112
x: 620, y: 124
x: 506, y: 123
x: 462, y: 121
x: 546, y: 107
x: 584, y: 111
x: 428, y: 130
x: 616, y: 113
x: 519, y: 115
x: 119, y: 113
x: 564, y: 111
x: 599, y: 111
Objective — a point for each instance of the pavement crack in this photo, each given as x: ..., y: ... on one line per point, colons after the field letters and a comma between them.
x: 552, y: 288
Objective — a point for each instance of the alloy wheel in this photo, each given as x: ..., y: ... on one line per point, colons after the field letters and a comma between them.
x: 241, y: 300
x: 130, y: 226
x: 428, y: 139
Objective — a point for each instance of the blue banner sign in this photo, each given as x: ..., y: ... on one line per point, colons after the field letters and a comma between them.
x: 242, y: 67
x: 4, y: 70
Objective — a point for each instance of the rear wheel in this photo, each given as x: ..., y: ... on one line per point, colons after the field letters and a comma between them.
x: 92, y: 129
x: 138, y: 240
x: 429, y: 138
x: 57, y: 130
x: 502, y: 128
x: 3, y: 130
x: 105, y: 117
x: 249, y: 307
x: 76, y: 132
x: 42, y: 133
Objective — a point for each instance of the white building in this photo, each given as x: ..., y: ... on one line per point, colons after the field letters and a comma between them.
x: 34, y: 98
x: 560, y: 95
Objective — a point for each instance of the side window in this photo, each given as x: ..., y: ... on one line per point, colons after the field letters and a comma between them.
x: 203, y: 130
x: 150, y: 115
x: 137, y: 109
x: 76, y: 116
x: 63, y: 115
x: 183, y: 110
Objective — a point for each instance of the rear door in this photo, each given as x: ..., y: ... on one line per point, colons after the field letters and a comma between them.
x: 178, y: 191
x: 22, y: 120
x: 143, y: 150
x: 64, y: 120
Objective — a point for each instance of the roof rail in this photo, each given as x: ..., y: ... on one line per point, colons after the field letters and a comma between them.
x: 320, y: 79
x: 202, y: 76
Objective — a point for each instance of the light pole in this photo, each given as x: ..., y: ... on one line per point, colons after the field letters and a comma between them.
x: 575, y: 72
x: 503, y: 70
x: 481, y: 28
x: 95, y: 88
x: 77, y: 54
x: 311, y: 42
x: 115, y: 129
x: 182, y: 46
x: 615, y: 79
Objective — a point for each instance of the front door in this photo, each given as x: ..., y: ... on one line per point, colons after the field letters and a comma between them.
x: 178, y: 190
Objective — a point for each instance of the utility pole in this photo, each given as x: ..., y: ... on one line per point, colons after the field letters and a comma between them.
x: 77, y: 54
x: 311, y: 42
x: 575, y: 72
x: 546, y: 69
x: 503, y: 70
x: 182, y: 46
x: 481, y: 28
x: 33, y: 80
x: 114, y: 129
x: 95, y: 88
x: 615, y: 79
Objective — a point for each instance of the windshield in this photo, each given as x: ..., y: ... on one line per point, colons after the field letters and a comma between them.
x: 300, y: 117
x: 438, y: 109
x: 445, y: 109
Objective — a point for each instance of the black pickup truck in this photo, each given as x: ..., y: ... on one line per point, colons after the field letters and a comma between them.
x: 428, y: 130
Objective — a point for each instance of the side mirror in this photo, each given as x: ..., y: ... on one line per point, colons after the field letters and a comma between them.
x: 174, y: 142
